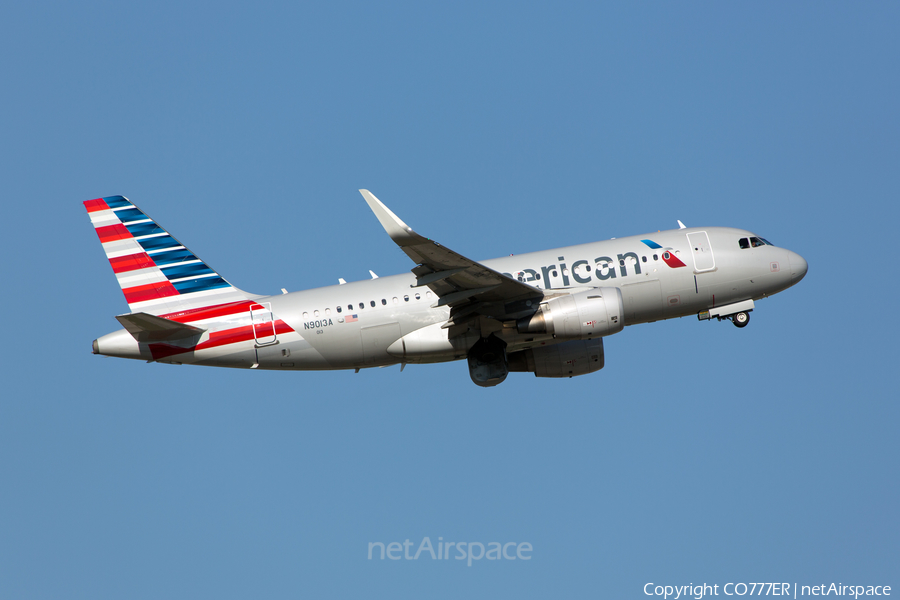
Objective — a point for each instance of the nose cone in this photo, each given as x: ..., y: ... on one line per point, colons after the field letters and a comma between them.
x: 799, y: 267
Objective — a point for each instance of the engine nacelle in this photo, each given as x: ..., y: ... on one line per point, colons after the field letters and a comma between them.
x: 582, y: 316
x: 566, y: 359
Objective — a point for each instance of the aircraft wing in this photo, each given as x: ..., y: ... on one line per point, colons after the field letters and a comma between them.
x: 458, y: 282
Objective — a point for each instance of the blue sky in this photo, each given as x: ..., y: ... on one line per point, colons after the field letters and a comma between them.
x: 701, y: 453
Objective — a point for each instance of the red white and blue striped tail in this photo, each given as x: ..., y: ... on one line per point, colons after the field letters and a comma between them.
x: 158, y: 275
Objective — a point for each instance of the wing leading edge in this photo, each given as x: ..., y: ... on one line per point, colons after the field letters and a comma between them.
x: 468, y: 287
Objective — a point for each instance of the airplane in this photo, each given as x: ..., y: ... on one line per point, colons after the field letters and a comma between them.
x: 543, y: 312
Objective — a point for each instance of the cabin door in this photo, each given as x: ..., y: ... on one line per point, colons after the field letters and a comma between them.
x: 263, y: 323
x: 702, y: 252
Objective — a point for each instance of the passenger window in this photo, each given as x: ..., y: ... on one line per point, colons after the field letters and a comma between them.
x: 744, y: 243
x: 316, y: 313
x: 327, y: 312
x: 537, y: 276
x: 406, y: 298
x: 655, y: 257
x: 383, y: 302
x: 644, y: 258
x: 428, y: 294
x: 339, y: 309
x: 372, y: 303
x: 395, y: 300
x: 305, y: 315
x: 361, y: 306
x: 418, y: 296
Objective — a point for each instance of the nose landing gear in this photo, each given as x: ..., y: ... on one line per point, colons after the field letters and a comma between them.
x: 738, y: 313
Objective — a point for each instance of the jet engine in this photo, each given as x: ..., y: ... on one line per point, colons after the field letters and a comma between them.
x: 566, y: 359
x: 581, y: 316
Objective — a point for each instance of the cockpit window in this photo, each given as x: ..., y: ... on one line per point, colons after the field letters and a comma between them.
x: 754, y: 242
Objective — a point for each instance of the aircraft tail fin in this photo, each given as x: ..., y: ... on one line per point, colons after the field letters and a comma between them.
x: 156, y: 272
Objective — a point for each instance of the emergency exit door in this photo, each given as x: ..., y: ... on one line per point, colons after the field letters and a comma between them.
x: 263, y: 323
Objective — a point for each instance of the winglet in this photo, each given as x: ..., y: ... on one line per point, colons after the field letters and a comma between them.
x: 681, y: 225
x: 399, y: 231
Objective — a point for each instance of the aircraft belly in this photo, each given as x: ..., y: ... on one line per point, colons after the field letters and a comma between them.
x: 703, y: 282
x: 291, y: 356
x: 375, y: 342
x: 725, y: 293
x: 328, y: 341
x: 292, y: 351
x: 362, y: 342
x: 432, y: 344
x: 339, y: 346
x: 642, y: 300
x: 238, y: 356
x: 677, y: 291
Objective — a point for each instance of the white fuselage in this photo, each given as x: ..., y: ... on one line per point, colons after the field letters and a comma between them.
x: 386, y: 320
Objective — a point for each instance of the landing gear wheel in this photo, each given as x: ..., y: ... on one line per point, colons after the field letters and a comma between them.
x: 741, y: 319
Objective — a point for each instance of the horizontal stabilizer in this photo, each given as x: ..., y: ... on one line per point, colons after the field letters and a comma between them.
x: 147, y: 328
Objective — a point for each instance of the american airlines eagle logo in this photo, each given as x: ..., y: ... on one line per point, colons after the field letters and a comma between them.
x: 668, y: 256
x: 672, y: 260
